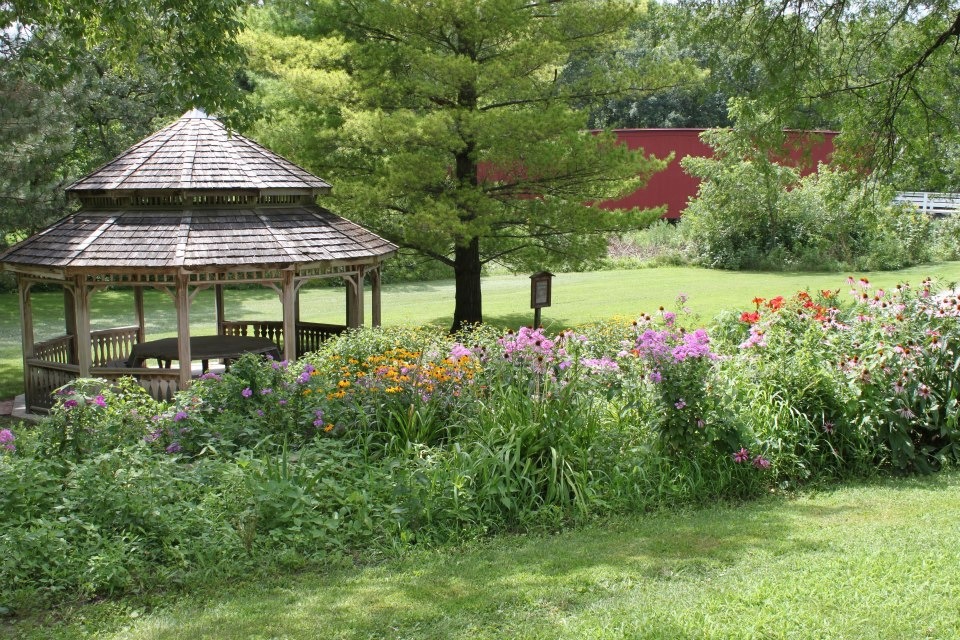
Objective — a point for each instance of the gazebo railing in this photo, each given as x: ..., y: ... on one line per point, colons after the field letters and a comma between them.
x: 43, y: 378
x: 59, y: 350
x: 50, y: 367
x: 112, y: 346
x: 310, y: 335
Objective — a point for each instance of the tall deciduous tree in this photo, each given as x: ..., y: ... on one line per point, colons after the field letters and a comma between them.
x: 79, y: 81
x: 447, y: 128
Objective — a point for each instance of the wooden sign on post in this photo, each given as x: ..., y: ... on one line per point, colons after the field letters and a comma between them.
x: 540, y: 293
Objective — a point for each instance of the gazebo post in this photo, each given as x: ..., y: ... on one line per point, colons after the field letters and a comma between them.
x: 81, y: 306
x: 183, y: 329
x: 355, y: 298
x: 288, y: 298
x: 70, y: 321
x: 138, y: 310
x: 375, y: 296
x: 221, y: 309
x: 26, y: 321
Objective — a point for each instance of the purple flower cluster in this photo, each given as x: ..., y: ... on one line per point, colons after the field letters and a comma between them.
x: 304, y: 377
x: 6, y: 440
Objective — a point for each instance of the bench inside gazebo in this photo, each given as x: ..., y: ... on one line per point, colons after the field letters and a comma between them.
x: 188, y: 209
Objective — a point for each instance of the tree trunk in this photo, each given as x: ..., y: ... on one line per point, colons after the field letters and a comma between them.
x: 466, y: 269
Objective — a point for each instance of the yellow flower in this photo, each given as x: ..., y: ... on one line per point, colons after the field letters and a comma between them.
x: 328, y: 428
x: 343, y: 384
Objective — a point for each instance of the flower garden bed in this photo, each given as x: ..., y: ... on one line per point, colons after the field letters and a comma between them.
x: 390, y: 437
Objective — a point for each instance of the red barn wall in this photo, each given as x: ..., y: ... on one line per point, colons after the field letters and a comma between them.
x: 674, y: 188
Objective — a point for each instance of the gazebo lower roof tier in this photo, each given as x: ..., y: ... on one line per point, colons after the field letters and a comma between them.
x: 206, y: 239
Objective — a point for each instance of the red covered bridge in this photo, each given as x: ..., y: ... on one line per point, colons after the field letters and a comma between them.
x: 674, y: 188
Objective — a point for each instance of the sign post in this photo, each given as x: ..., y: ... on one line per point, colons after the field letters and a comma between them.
x: 540, y: 294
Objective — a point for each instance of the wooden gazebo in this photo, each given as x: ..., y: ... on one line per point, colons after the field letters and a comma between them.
x: 190, y: 207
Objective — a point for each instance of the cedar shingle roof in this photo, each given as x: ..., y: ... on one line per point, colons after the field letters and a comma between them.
x: 197, y: 153
x: 198, y: 239
x: 189, y: 229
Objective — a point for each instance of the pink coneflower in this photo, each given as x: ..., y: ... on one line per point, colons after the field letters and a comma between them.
x: 761, y: 463
x: 741, y: 456
x: 828, y: 426
x: 923, y: 391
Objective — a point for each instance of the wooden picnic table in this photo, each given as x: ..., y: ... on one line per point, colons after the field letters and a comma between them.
x: 203, y: 348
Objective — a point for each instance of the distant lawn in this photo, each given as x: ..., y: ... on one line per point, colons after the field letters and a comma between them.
x: 577, y: 298
x: 874, y: 562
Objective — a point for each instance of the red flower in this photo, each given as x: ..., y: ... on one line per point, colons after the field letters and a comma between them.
x: 758, y: 301
x: 750, y: 317
x: 775, y: 303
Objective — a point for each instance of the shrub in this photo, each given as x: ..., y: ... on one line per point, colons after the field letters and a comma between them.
x: 753, y: 213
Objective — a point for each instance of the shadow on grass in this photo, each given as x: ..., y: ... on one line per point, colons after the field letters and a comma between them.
x: 524, y: 587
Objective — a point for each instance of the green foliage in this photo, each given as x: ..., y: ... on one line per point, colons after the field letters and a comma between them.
x: 753, y: 213
x: 945, y: 237
x: 877, y: 71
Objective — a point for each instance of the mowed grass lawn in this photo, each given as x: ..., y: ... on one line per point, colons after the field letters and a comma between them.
x: 874, y: 561
x: 577, y: 298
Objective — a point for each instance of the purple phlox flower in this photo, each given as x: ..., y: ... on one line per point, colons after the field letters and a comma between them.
x: 318, y: 422
x: 69, y: 404
x: 174, y: 447
x: 656, y: 376
x: 758, y: 338
x: 565, y: 364
x: 180, y: 415
x: 682, y: 298
x: 247, y: 392
x: 669, y: 317
x: 761, y: 463
x: 153, y: 435
x: 209, y: 375
x: 680, y: 404
x: 828, y: 426
x: 303, y: 378
x: 6, y: 439
x: 459, y: 351
x: 260, y: 412
x: 281, y: 402
x: 266, y: 392
x: 99, y: 401
x: 694, y: 345
x: 741, y: 456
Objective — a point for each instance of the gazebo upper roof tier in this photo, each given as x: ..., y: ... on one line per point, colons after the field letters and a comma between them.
x: 197, y: 154
x: 206, y: 239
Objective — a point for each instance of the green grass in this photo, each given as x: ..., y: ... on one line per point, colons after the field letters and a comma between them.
x: 868, y: 561
x: 577, y: 298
